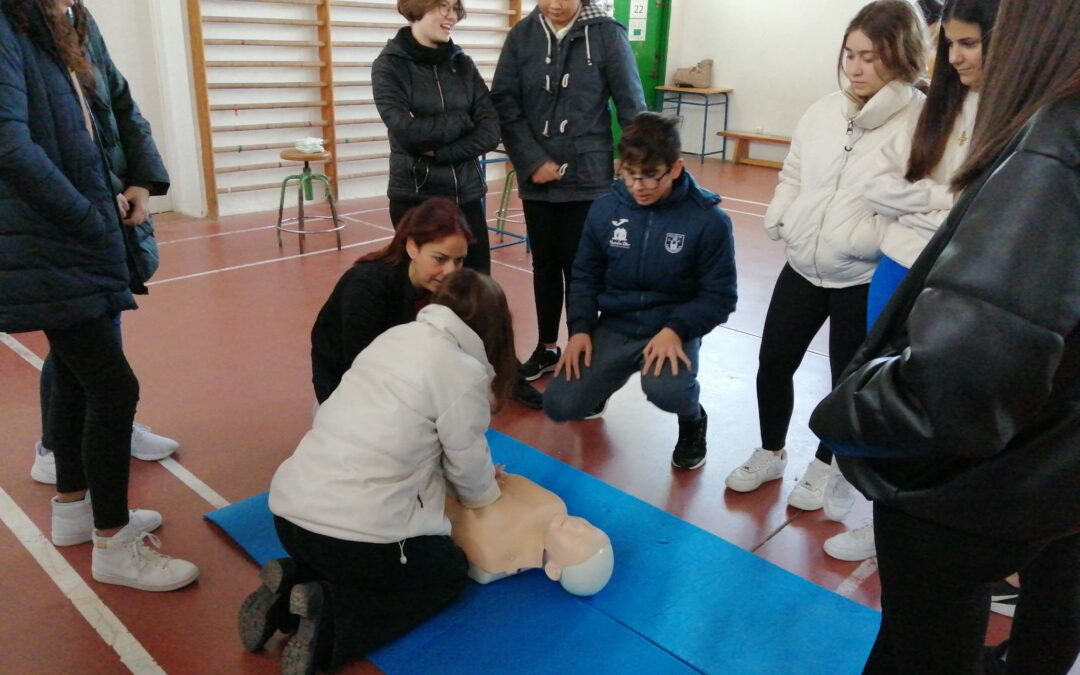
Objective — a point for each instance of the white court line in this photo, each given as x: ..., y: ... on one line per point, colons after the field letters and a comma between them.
x: 863, y: 572
x: 194, y: 482
x: 745, y: 213
x: 263, y: 262
x: 97, y: 614
x: 744, y: 201
x: 21, y: 349
x: 217, y: 234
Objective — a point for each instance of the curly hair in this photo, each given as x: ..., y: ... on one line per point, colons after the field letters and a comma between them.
x: 46, y: 23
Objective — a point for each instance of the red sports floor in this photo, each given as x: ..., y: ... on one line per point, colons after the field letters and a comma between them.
x: 221, y: 349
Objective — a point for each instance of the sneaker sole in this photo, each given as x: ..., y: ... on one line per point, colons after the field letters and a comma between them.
x: 256, y: 628
x: 153, y: 456
x: 688, y: 468
x: 71, y: 539
x: 847, y: 556
x: 131, y: 583
x: 539, y: 374
x: 749, y: 487
x: 42, y: 477
x: 299, y: 655
x: 794, y: 500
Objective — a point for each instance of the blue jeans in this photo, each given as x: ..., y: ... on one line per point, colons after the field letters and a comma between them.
x: 615, y: 358
x: 886, y: 280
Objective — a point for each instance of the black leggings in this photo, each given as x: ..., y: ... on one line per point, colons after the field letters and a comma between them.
x: 935, y: 598
x: 796, y: 313
x: 374, y: 598
x: 90, y: 409
x: 554, y: 230
x: 479, y: 256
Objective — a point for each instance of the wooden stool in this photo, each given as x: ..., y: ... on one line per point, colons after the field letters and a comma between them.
x: 742, y: 147
x: 305, y: 192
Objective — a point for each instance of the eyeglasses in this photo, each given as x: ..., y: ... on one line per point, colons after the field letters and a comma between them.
x: 648, y: 181
x: 445, y: 8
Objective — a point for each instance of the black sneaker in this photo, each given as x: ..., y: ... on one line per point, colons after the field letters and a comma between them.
x: 1003, y: 598
x: 308, y: 649
x: 527, y: 395
x: 267, y: 609
x: 689, y: 451
x: 543, y: 360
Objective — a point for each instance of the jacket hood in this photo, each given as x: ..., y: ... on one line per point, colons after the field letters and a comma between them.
x: 890, y: 99
x: 404, y: 45
x: 684, y: 188
x: 590, y: 13
x: 444, y: 319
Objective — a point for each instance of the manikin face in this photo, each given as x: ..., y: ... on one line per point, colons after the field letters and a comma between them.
x: 434, y: 28
x: 965, y: 51
x: 570, y: 540
x: 434, y: 260
x: 862, y: 65
x: 649, y: 186
x: 559, y: 12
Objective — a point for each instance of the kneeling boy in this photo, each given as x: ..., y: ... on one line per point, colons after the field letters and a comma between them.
x: 654, y: 272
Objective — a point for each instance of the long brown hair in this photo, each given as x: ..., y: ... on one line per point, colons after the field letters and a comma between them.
x: 898, y: 33
x: 947, y: 92
x: 434, y: 219
x: 1034, y: 62
x: 480, y: 302
x: 47, y: 24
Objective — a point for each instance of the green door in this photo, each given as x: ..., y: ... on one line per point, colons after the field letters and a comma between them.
x: 647, y: 22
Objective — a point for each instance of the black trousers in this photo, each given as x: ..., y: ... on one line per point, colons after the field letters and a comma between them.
x: 374, y: 598
x: 90, y: 406
x: 479, y: 256
x: 796, y: 313
x: 554, y: 230
x: 935, y: 599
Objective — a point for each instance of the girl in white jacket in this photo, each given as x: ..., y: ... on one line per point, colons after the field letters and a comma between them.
x: 831, y: 237
x: 915, y: 194
x: 359, y: 505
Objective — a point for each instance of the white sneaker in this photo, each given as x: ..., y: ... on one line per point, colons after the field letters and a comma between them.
x: 44, y: 468
x: 839, y: 497
x: 853, y: 545
x: 762, y: 466
x: 145, y: 445
x: 125, y: 559
x: 809, y: 494
x: 148, y: 446
x: 73, y: 522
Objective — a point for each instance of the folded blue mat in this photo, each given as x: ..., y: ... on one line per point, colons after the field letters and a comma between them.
x: 680, y: 599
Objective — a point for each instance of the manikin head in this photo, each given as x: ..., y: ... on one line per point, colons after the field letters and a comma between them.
x: 577, y: 555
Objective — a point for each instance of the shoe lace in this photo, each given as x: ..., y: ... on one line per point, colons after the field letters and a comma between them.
x: 144, y: 549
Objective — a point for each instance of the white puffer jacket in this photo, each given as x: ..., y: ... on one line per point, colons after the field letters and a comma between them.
x: 832, y: 237
x: 407, y: 418
x: 915, y: 211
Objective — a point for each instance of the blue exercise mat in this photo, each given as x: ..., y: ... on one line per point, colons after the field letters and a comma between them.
x: 680, y: 599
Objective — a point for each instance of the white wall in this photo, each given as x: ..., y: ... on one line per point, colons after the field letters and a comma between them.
x: 779, y: 56
x: 145, y: 40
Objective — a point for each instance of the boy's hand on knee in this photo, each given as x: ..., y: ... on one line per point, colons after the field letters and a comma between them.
x: 578, y: 345
x: 665, y: 346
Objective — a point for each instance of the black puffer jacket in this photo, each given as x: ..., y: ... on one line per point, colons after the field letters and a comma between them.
x: 433, y: 101
x: 963, y: 405
x: 62, y: 256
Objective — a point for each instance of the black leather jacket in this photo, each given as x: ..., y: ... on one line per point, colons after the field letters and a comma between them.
x: 963, y: 405
x: 433, y: 101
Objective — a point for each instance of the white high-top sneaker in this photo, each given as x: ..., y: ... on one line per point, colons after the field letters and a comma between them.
x: 125, y: 559
x: 73, y: 522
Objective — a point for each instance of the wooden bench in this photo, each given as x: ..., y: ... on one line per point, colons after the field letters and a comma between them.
x: 742, y: 147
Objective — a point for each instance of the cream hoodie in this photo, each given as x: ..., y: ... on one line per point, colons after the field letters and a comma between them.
x: 408, y: 417
x: 832, y: 237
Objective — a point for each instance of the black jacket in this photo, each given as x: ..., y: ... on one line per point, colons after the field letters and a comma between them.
x: 62, y: 256
x: 370, y: 298
x: 963, y: 405
x: 433, y: 100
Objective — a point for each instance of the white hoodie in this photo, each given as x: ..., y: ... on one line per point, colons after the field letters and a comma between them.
x: 915, y: 211
x: 408, y: 416
x: 832, y: 237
